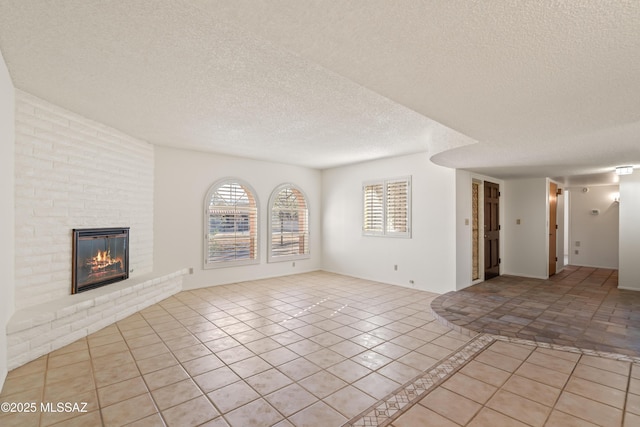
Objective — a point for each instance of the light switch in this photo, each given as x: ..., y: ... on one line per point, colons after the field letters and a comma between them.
x: 518, y: 221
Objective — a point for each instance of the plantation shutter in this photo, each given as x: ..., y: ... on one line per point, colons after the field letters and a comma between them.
x: 397, y: 207
x: 373, y: 208
x: 232, y: 224
x: 289, y: 223
x: 387, y: 208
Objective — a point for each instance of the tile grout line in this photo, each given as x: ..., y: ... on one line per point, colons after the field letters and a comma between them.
x: 626, y: 395
x: 93, y: 374
x: 44, y: 389
x: 581, y: 353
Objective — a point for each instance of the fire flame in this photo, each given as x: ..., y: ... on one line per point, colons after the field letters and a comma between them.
x: 103, y: 256
x: 103, y: 259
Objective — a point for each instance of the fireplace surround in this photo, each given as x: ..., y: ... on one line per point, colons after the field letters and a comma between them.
x: 100, y: 256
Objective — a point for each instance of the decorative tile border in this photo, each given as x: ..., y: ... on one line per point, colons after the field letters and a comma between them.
x: 391, y: 407
x: 582, y: 351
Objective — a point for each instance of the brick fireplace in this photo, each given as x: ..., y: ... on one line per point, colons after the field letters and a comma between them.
x: 62, y: 162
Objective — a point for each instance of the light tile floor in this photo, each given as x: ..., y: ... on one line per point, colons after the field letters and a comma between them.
x: 313, y: 349
x: 317, y: 349
x: 523, y: 384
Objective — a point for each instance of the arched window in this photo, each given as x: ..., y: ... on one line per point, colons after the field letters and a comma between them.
x: 231, y: 225
x: 288, y: 224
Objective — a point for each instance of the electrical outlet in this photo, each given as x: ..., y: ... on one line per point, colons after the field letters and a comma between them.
x: 190, y: 270
x: 577, y: 252
x: 411, y: 282
x: 577, y: 243
x: 395, y: 267
x: 293, y: 264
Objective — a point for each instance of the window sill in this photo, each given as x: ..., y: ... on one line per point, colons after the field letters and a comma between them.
x: 225, y: 264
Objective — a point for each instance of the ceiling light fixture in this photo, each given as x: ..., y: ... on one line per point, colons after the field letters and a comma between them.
x: 624, y: 170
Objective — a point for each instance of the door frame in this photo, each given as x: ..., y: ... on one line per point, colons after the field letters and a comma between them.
x: 497, y: 232
x: 480, y: 219
x: 466, y: 215
x: 552, y: 228
x: 560, y: 222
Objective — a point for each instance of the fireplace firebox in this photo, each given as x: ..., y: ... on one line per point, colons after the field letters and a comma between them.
x: 100, y: 257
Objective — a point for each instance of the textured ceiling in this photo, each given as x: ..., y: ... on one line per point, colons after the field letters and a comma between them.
x: 546, y: 88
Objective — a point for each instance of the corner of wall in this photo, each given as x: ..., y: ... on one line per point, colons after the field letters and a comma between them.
x: 7, y: 245
x: 463, y: 231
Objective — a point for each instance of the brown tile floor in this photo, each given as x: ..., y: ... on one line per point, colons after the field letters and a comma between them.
x: 579, y: 307
x: 321, y: 349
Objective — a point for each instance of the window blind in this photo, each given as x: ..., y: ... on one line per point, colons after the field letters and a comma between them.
x: 374, y: 208
x: 387, y: 207
x: 232, y: 224
x: 397, y: 206
x: 289, y: 223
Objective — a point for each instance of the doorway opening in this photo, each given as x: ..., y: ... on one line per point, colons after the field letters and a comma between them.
x: 475, y: 230
x: 491, y: 230
x: 553, y: 227
x: 567, y: 207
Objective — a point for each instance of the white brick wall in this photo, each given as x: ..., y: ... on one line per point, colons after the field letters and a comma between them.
x: 72, y: 172
x: 40, y: 329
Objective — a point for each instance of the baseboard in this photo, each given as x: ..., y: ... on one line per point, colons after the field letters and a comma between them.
x: 528, y: 276
x: 624, y: 288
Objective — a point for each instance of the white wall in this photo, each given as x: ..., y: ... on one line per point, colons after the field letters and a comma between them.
x: 597, y: 234
x: 464, y: 218
x: 526, y: 244
x: 428, y: 258
x: 629, y: 240
x: 182, y: 179
x: 7, y: 251
x: 72, y: 172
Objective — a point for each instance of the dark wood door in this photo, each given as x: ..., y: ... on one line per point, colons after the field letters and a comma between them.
x: 553, y: 227
x: 491, y: 230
